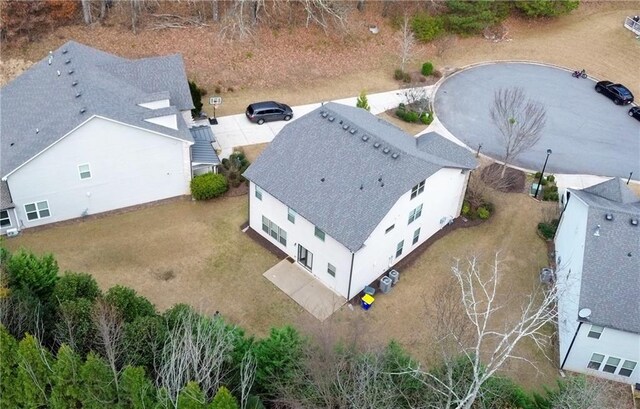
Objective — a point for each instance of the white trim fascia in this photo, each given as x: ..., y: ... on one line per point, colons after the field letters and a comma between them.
x: 4, y: 178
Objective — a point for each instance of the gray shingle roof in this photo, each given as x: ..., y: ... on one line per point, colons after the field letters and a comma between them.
x: 5, y: 196
x: 611, y: 264
x: 45, y: 98
x: 202, y: 151
x: 330, y: 176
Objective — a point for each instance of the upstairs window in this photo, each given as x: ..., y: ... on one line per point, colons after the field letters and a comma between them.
x: 258, y: 193
x: 319, y: 234
x: 415, y: 213
x: 595, y: 332
x: 417, y: 189
x: 627, y: 368
x: 291, y: 215
x: 85, y: 171
x: 389, y: 228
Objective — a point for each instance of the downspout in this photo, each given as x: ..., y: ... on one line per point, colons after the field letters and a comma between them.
x: 564, y: 361
x: 350, y: 276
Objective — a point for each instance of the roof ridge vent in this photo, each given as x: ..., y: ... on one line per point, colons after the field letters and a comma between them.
x: 68, y: 61
x: 634, y: 222
x: 376, y: 145
x: 386, y: 151
x: 365, y: 138
x: 65, y: 51
x: 331, y: 119
x: 71, y: 71
x: 50, y: 57
x: 37, y: 131
x: 74, y: 83
x: 83, y: 110
x: 78, y: 94
x: 345, y: 127
x: 608, y: 216
x: 58, y: 72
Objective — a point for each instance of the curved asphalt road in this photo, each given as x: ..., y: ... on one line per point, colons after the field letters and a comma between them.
x: 586, y: 131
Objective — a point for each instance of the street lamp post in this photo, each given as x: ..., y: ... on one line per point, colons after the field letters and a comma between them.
x: 535, y: 195
x: 629, y: 179
x: 478, y: 151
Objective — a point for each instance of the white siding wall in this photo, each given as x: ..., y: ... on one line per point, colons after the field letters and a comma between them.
x: 569, y: 242
x: 442, y: 201
x: 612, y: 343
x: 302, y: 232
x: 128, y: 165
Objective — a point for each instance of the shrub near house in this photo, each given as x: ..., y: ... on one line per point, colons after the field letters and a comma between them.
x: 208, y: 186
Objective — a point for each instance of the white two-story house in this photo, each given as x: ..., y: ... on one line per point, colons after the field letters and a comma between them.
x: 598, y: 276
x: 85, y: 132
x: 347, y: 195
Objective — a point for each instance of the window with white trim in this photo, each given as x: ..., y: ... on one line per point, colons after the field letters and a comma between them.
x: 37, y: 210
x: 85, y: 171
x: 414, y: 214
x: 5, y: 220
x: 627, y: 368
x: 611, y: 365
x: 595, y: 332
x: 319, y: 233
x: 417, y: 189
x: 399, y: 249
x: 595, y: 361
x: 274, y: 231
x: 416, y: 236
x: 291, y: 215
x: 331, y: 269
x: 258, y: 193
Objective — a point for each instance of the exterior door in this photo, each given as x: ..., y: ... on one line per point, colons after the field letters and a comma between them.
x: 305, y: 257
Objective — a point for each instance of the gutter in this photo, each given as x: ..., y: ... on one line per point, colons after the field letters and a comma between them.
x: 350, y: 276
x: 564, y: 361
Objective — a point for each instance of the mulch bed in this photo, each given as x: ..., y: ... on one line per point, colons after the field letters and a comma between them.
x: 243, y: 189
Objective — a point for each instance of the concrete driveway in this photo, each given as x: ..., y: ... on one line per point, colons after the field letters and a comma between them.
x: 587, y: 132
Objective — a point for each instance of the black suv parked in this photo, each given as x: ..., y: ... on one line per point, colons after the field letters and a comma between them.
x: 260, y: 112
x: 618, y: 93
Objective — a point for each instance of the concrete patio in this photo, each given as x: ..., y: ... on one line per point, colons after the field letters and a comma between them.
x: 304, y: 289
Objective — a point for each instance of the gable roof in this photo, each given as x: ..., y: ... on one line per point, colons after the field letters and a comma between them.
x: 322, y: 167
x: 202, y: 150
x: 5, y: 196
x: 611, y: 263
x: 45, y: 102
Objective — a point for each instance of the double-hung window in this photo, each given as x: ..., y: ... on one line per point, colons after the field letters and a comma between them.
x: 5, y: 221
x: 399, y: 249
x: 258, y: 193
x: 38, y: 210
x: 274, y: 231
x: 414, y: 214
x: 331, y: 269
x: 595, y: 332
x: 291, y: 215
x: 595, y: 361
x: 417, y: 189
x: 85, y: 171
x: 627, y: 368
x: 319, y: 233
x: 416, y: 236
x: 611, y: 365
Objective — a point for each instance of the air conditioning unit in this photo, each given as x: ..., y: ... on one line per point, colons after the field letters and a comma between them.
x: 385, y: 284
x: 394, y: 276
x: 12, y: 232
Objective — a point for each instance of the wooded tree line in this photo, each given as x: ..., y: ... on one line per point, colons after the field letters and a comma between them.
x: 66, y: 344
x: 240, y: 18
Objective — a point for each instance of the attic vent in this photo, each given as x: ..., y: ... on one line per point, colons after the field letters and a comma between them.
x: 74, y: 83
x: 608, y: 216
x: 341, y: 121
x: 365, y: 138
x: 78, y: 94
x: 376, y: 145
x: 331, y: 119
x: 321, y: 179
x: 58, y: 72
x: 352, y: 131
x: 67, y: 62
x: 634, y: 222
x: 37, y: 131
x: 345, y: 127
x: 83, y: 110
x: 394, y: 155
x: 65, y: 51
x: 71, y: 71
x: 386, y: 150
x: 50, y: 57
x: 324, y: 114
x: 12, y: 143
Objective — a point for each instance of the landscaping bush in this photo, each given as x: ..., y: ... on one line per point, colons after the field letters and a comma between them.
x: 466, y: 208
x: 545, y: 8
x: 407, y: 116
x: 543, y: 182
x: 427, y: 69
x: 426, y: 27
x: 551, y: 178
x: 196, y: 97
x: 548, y: 230
x: 398, y: 74
x: 426, y: 118
x: 483, y: 213
x: 129, y: 304
x: 72, y: 286
x: 470, y: 17
x: 550, y: 196
x: 537, y: 175
x: 208, y: 186
x: 363, y: 101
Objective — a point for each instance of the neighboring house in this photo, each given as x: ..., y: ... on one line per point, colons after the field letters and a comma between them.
x: 598, y: 276
x: 347, y: 195
x: 85, y: 132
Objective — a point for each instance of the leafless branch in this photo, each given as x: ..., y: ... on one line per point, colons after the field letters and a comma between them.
x: 110, y: 330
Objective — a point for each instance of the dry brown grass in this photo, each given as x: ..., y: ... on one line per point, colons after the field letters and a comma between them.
x: 253, y: 151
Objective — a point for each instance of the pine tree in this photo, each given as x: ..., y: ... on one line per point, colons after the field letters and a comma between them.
x: 34, y: 373
x: 66, y: 390
x: 191, y: 397
x: 136, y: 390
x: 223, y: 400
x: 363, y: 101
x: 98, y: 386
x: 8, y: 369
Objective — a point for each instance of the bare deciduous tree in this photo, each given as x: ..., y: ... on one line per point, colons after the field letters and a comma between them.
x: 110, y: 330
x: 321, y: 12
x: 470, y: 328
x: 195, y: 350
x: 247, y: 376
x: 519, y: 120
x: 406, y: 40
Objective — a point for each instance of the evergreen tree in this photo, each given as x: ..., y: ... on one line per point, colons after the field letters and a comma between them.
x: 191, y: 397
x: 8, y: 369
x: 363, y: 101
x: 136, y: 389
x: 34, y: 373
x: 98, y: 386
x: 223, y: 400
x: 66, y: 388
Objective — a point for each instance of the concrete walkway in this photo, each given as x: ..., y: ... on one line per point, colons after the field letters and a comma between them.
x: 304, y: 289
